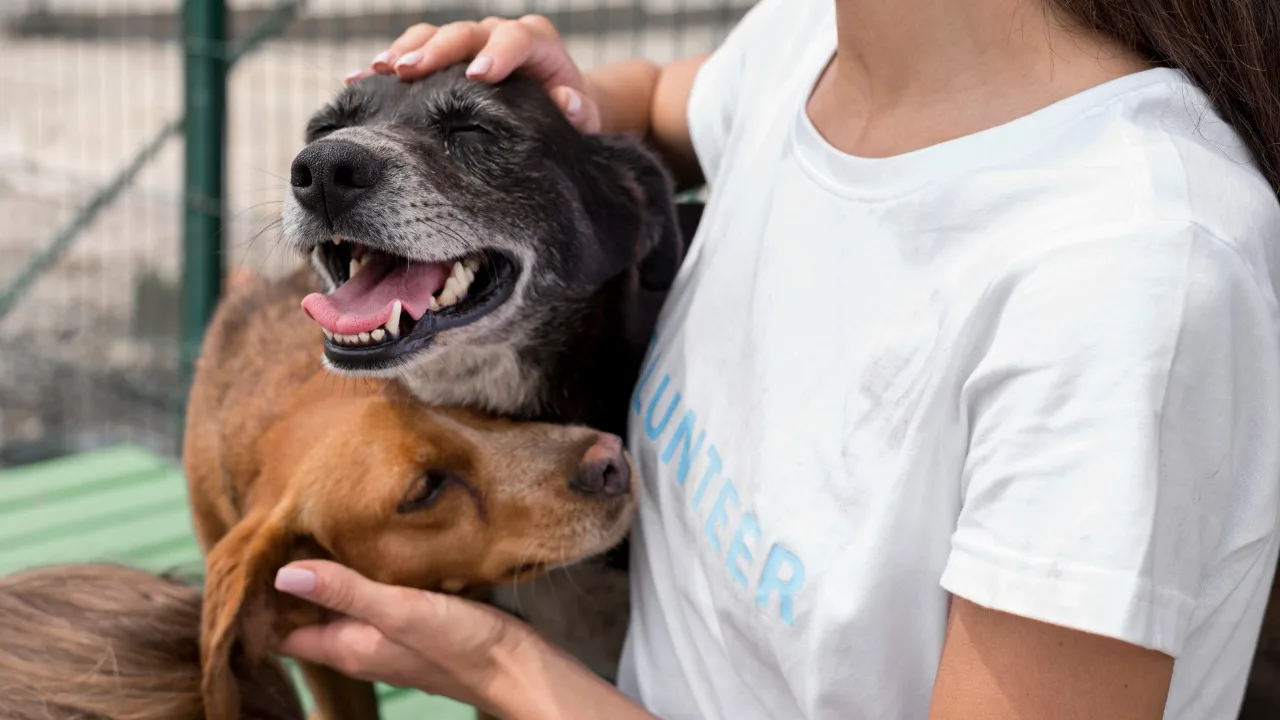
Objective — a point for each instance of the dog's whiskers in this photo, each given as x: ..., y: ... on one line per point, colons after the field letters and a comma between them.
x: 564, y: 558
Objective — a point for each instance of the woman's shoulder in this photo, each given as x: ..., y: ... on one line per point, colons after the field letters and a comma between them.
x: 1147, y: 158
x: 1182, y: 162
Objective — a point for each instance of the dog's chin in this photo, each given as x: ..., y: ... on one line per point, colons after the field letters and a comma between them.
x: 612, y: 527
x: 405, y: 341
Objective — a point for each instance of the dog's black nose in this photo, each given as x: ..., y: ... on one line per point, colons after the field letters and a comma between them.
x: 604, y: 469
x: 329, y: 176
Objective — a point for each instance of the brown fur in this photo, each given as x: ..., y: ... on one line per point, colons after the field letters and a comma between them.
x: 286, y: 461
x: 106, y: 642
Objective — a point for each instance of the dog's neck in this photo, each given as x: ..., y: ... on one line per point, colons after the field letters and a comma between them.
x: 578, y: 366
x: 492, y: 378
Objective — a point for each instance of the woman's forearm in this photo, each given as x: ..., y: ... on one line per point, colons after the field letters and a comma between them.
x: 537, y: 681
x: 640, y: 98
x: 624, y: 92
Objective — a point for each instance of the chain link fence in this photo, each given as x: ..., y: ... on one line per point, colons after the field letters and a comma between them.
x: 90, y: 349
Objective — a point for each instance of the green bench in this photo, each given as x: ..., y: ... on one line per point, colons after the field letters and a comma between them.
x: 126, y: 505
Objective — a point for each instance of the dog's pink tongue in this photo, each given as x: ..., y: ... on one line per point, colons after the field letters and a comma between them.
x: 364, y: 303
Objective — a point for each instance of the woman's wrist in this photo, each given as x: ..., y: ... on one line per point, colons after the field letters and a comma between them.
x: 514, y: 690
x: 534, y: 680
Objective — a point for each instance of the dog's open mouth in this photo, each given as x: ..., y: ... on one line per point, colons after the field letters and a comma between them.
x: 384, y: 306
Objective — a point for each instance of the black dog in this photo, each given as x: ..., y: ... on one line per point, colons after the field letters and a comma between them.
x: 529, y: 260
x: 480, y: 249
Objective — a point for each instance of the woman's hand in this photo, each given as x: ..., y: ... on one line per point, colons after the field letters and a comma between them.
x: 442, y: 645
x: 633, y: 97
x: 496, y: 47
x: 437, y: 643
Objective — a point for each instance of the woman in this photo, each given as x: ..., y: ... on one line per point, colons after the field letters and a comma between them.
x: 967, y: 401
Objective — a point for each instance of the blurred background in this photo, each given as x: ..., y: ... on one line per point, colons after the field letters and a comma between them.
x: 116, y: 215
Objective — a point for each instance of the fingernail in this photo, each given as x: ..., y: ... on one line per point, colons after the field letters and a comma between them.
x: 412, y: 58
x: 480, y: 65
x: 575, y: 104
x: 295, y: 581
x: 384, y: 58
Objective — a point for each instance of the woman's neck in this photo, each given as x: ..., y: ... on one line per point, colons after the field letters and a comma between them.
x: 913, y: 73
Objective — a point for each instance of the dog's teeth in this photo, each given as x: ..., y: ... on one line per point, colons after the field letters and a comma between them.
x: 353, y: 268
x: 471, y: 264
x: 378, y: 334
x: 461, y: 277
x: 364, y: 337
x: 452, y: 289
x: 435, y: 304
x: 336, y: 240
x: 393, y: 322
x: 327, y: 334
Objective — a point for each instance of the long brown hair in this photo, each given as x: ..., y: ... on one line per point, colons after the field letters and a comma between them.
x: 1229, y: 48
x: 106, y: 642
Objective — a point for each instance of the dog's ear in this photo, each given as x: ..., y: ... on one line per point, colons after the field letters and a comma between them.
x: 635, y: 206
x: 242, y: 611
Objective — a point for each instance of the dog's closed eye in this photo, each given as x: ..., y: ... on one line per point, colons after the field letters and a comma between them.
x: 465, y: 128
x: 426, y: 491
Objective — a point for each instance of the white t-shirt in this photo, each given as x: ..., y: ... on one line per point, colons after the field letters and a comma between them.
x: 1037, y: 367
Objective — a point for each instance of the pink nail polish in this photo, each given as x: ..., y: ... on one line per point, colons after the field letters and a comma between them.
x: 480, y: 65
x: 295, y: 581
x: 383, y: 58
x: 574, y: 104
x: 409, y: 59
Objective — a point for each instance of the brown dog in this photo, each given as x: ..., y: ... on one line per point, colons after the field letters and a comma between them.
x: 286, y: 461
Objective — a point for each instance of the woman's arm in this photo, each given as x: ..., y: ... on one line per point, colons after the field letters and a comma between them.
x: 999, y: 666
x: 641, y: 98
x: 541, y: 682
x: 443, y: 645
x: 635, y: 96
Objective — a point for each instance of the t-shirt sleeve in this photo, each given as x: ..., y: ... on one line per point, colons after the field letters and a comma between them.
x: 717, y: 93
x: 1122, y: 408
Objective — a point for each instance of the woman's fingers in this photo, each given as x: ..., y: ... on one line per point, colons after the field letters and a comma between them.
x: 496, y: 48
x: 581, y: 110
x: 345, y: 591
x: 351, y: 647
x: 410, y: 40
x: 452, y: 43
x: 531, y: 45
x: 357, y: 75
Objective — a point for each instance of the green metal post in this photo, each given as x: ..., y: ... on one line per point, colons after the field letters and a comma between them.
x: 205, y: 46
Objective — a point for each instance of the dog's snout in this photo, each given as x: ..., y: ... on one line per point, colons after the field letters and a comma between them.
x: 329, y: 176
x: 604, y: 469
